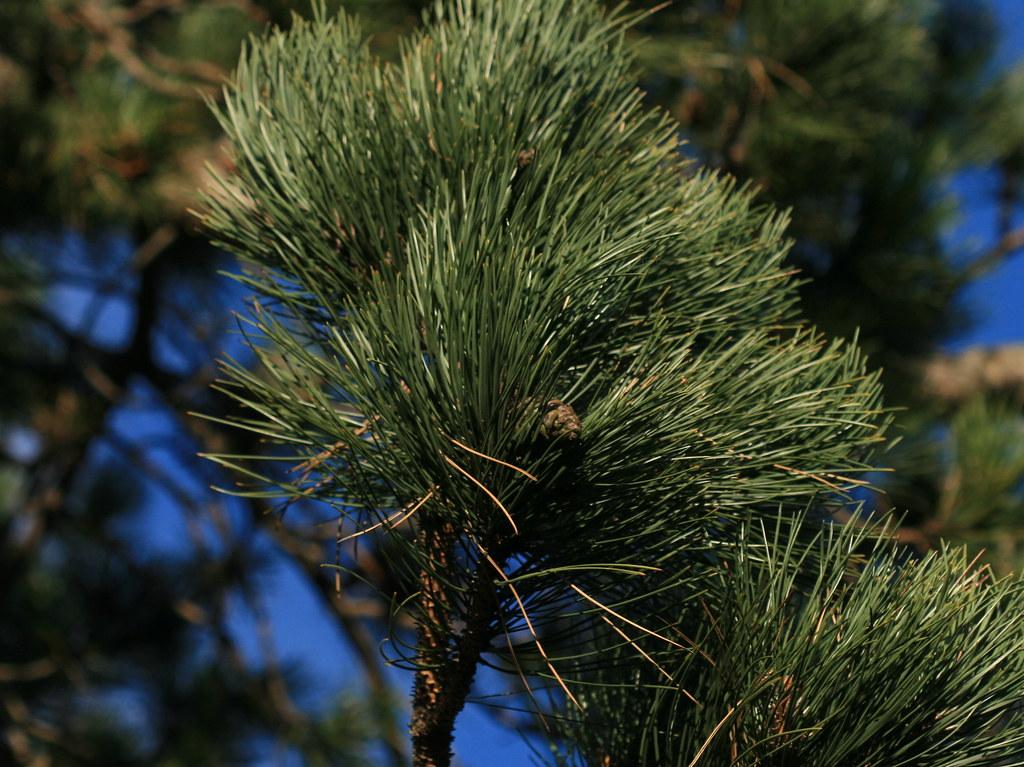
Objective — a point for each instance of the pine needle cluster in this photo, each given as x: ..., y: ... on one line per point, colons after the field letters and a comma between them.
x: 837, y: 651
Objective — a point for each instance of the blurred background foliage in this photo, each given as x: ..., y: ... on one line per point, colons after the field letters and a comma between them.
x: 122, y: 647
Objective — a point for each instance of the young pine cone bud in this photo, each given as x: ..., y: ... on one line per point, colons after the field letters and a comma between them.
x: 560, y: 421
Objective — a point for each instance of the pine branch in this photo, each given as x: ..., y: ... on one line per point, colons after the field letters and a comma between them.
x: 498, y: 309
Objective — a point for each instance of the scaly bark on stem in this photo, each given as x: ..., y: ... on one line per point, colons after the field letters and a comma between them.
x: 447, y: 661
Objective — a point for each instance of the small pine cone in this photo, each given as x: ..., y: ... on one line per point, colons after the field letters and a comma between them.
x: 560, y: 422
x: 525, y: 158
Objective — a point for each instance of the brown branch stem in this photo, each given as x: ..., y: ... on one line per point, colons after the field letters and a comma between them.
x: 447, y: 660
x: 1009, y: 244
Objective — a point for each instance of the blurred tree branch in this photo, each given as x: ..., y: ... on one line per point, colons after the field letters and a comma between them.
x: 159, y: 73
x: 955, y: 378
x: 94, y: 381
x: 1010, y: 244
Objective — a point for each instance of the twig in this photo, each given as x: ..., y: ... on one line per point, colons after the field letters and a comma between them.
x: 1011, y: 243
x: 119, y: 43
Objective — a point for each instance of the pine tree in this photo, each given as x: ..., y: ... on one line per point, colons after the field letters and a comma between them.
x: 103, y: 134
x: 552, y: 374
